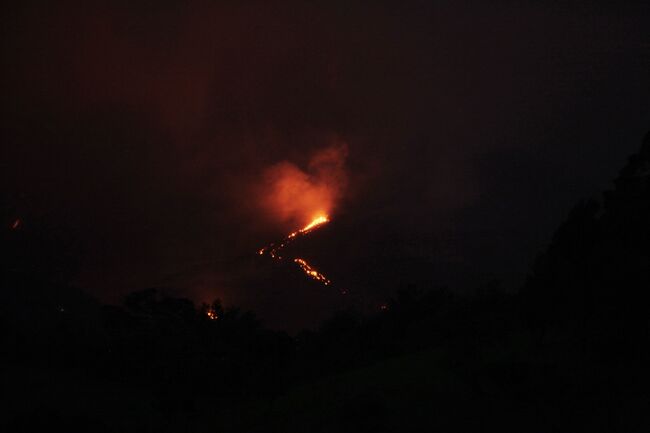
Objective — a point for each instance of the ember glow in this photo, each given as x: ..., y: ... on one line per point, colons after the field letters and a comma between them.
x: 316, y: 222
x: 296, y: 196
x: 274, y: 251
x: 311, y: 272
x: 321, y: 219
x: 212, y: 314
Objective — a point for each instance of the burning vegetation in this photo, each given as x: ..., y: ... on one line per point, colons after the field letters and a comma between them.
x: 212, y: 314
x: 311, y: 272
x: 274, y: 251
x: 295, y: 196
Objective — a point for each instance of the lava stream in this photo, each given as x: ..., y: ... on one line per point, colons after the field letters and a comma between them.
x: 274, y: 250
x: 311, y: 272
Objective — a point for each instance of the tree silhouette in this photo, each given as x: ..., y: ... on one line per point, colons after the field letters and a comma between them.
x: 567, y: 352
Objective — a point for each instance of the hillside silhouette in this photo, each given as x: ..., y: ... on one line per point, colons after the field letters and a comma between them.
x: 567, y: 352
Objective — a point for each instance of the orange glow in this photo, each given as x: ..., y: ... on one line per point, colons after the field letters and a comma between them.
x: 304, y: 197
x: 311, y: 272
x: 15, y: 224
x: 316, y: 222
x: 319, y: 220
x: 274, y: 250
x: 212, y: 314
x: 295, y: 196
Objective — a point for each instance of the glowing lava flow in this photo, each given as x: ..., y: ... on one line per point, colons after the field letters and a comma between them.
x: 274, y: 250
x: 319, y: 220
x: 311, y: 272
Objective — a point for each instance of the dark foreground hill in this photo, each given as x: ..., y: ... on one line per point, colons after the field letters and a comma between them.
x: 568, y: 352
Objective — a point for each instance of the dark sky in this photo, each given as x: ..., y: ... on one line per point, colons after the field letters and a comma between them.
x: 143, y: 131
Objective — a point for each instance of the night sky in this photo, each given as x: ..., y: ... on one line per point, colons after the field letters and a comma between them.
x: 150, y: 137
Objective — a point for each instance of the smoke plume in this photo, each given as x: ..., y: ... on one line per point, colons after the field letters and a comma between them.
x: 295, y: 196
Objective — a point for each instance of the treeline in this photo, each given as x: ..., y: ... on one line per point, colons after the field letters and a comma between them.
x: 569, y: 351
